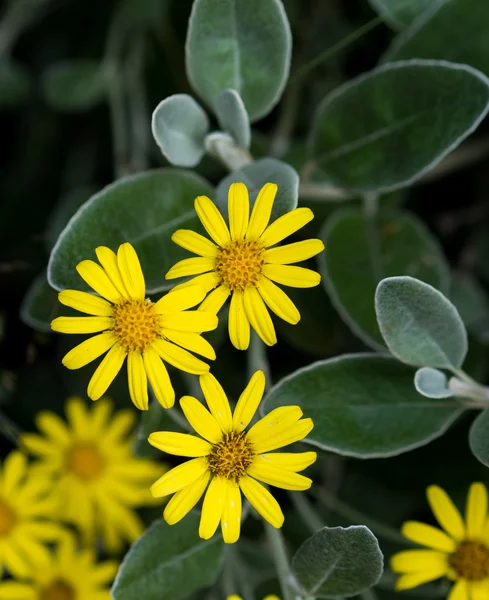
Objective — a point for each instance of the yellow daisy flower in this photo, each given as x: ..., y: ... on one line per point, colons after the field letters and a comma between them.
x: 147, y: 333
x: 69, y: 574
x: 26, y: 503
x: 98, y: 481
x: 460, y: 552
x: 231, y: 458
x: 243, y: 263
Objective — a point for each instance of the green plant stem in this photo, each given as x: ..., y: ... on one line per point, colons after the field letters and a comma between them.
x: 307, y: 512
x: 257, y: 358
x: 277, y: 544
x: 20, y: 15
x: 10, y: 430
x: 177, y: 417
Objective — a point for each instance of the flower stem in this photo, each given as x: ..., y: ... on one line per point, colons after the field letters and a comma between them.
x: 277, y: 543
x: 307, y: 512
x: 257, y: 358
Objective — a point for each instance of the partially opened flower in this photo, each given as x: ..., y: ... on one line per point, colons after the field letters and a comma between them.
x: 68, y: 574
x: 129, y: 324
x: 26, y: 505
x: 231, y: 458
x: 459, y: 552
x: 244, y: 261
x: 98, y: 482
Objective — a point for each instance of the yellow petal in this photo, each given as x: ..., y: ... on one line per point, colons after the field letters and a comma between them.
x: 411, y: 580
x: 106, y: 372
x: 262, y: 501
x: 213, y: 507
x: 290, y: 461
x: 15, y: 561
x: 278, y: 301
x: 179, y: 300
x: 89, y: 350
x: 179, y: 477
x: 195, y: 321
x: 412, y: 561
x: 53, y: 427
x: 191, y: 341
x: 249, y: 401
x: 277, y: 477
x: 212, y: 220
x: 180, y: 358
x: 284, y: 435
x: 478, y: 590
x: 12, y: 590
x: 78, y: 416
x: 215, y: 300
x: 476, y: 510
x: 15, y: 469
x: 120, y: 425
x: 258, y: 316
x: 194, y: 242
x: 216, y: 401
x: 98, y: 280
x: 238, y: 209
x: 191, y: 266
x: 238, y: 324
x: 428, y: 536
x: 131, y: 272
x: 445, y: 512
x: 208, y: 281
x: 286, y: 225
x: 293, y: 253
x: 262, y: 209
x: 179, y: 444
x: 231, y: 515
x: 108, y: 260
x: 201, y: 419
x: 101, y: 415
x: 86, y: 303
x: 460, y: 591
x: 81, y: 324
x: 184, y: 500
x: 298, y: 277
x: 158, y: 378
x: 138, y: 382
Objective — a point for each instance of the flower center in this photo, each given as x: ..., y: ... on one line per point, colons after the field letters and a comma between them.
x: 84, y: 460
x: 471, y: 560
x: 58, y: 590
x: 136, y: 324
x: 231, y: 457
x: 239, y: 264
x: 8, y: 519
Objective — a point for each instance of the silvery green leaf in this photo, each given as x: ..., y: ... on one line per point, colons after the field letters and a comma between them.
x: 40, y: 305
x: 233, y: 118
x: 400, y: 13
x: 432, y: 383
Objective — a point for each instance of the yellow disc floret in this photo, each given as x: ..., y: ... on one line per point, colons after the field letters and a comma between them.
x: 231, y: 457
x: 8, y: 519
x: 136, y: 324
x: 470, y: 560
x: 85, y: 460
x: 240, y: 264
x: 58, y: 590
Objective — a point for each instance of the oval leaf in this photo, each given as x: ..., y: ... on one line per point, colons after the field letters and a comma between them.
x: 254, y: 176
x: 338, y: 561
x: 143, y: 209
x: 40, y: 305
x: 398, y: 111
x: 74, y: 85
x: 361, y: 252
x: 362, y: 405
x: 419, y: 325
x: 168, y: 562
x: 478, y: 438
x: 179, y: 127
x: 248, y: 43
x: 432, y: 383
x: 400, y: 13
x: 233, y: 118
x: 451, y: 31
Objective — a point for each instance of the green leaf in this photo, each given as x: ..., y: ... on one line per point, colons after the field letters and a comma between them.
x: 384, y: 129
x: 454, y: 30
x: 40, y: 305
x: 362, y: 405
x: 74, y: 85
x: 338, y: 561
x: 255, y: 175
x: 400, y: 13
x: 233, y: 118
x: 471, y: 301
x: 15, y: 84
x: 362, y: 251
x: 432, y: 383
x: 419, y: 325
x: 156, y: 418
x: 168, y: 562
x: 478, y: 438
x: 65, y: 209
x: 243, y: 45
x: 143, y: 209
x: 179, y: 127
